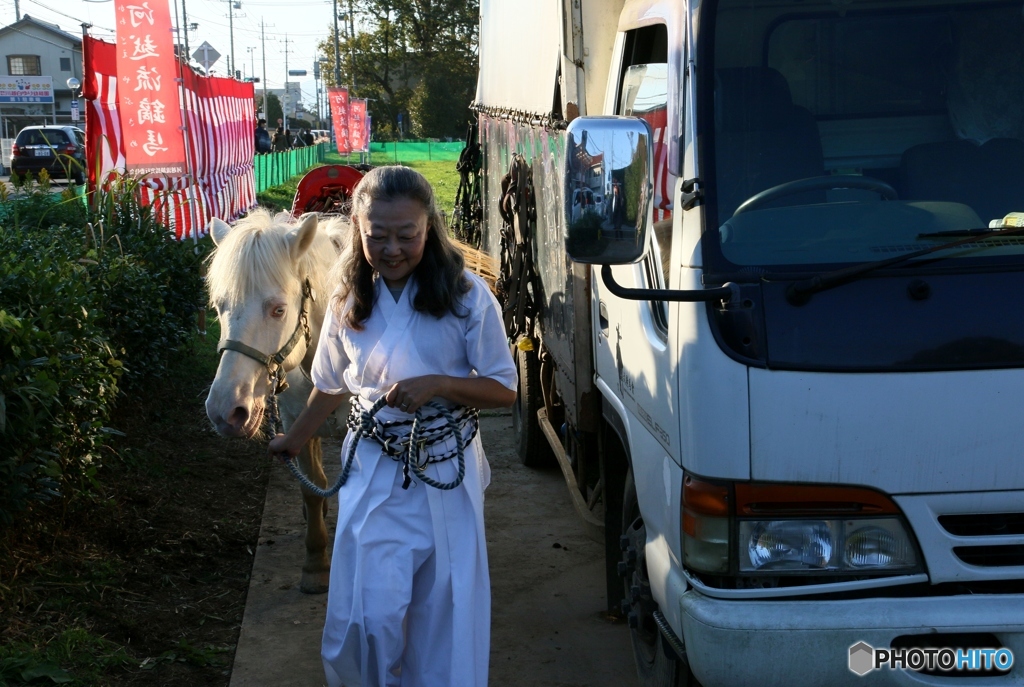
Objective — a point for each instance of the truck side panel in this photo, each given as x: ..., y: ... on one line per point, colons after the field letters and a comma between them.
x: 561, y: 322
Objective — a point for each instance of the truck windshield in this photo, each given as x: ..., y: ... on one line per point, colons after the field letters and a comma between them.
x: 845, y: 129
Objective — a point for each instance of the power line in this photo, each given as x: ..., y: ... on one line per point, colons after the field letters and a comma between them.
x: 80, y: 21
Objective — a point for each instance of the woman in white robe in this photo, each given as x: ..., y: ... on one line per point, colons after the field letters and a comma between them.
x: 409, y: 600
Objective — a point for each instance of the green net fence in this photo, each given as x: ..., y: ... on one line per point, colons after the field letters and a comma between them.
x: 273, y: 169
x: 408, y: 151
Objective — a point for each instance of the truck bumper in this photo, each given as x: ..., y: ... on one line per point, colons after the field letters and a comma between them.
x: 760, y: 643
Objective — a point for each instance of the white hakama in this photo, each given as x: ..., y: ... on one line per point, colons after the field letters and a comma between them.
x: 409, y: 601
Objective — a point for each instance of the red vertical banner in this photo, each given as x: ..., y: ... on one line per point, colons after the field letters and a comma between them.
x: 147, y: 92
x: 357, y: 125
x: 339, y: 117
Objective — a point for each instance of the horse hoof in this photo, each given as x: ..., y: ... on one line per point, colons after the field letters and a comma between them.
x: 315, y: 583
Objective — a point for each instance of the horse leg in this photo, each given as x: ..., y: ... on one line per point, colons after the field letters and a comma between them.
x: 316, y: 570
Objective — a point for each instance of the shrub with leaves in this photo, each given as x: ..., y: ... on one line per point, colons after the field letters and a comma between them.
x: 86, y: 308
x: 31, y: 204
x: 58, y: 375
x: 150, y: 283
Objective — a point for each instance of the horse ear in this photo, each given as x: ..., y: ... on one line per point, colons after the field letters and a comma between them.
x: 219, y: 230
x: 338, y: 231
x: 302, y: 238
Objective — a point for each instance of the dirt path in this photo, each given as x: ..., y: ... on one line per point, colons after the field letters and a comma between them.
x: 547, y: 580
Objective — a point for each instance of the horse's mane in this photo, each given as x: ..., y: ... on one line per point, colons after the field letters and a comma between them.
x: 255, y: 254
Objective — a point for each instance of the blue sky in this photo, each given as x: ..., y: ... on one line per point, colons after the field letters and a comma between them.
x: 305, y: 22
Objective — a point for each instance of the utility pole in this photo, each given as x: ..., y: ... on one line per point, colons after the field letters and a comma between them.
x: 337, y: 48
x: 284, y: 104
x: 230, y: 28
x: 184, y: 24
x: 17, y: 11
x: 263, y: 41
x: 351, y: 41
x: 316, y: 82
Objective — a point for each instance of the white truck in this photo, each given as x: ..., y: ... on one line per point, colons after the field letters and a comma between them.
x: 784, y: 383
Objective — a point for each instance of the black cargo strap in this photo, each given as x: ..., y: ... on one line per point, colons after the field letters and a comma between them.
x: 518, y: 208
x: 468, y: 215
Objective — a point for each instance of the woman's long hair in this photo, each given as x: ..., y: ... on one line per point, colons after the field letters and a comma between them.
x: 440, y: 274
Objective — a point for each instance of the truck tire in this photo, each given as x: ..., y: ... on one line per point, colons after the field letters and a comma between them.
x: 656, y: 663
x: 531, y: 444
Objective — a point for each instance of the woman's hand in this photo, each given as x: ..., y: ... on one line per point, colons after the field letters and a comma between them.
x: 410, y: 394
x: 281, y: 447
x: 473, y: 392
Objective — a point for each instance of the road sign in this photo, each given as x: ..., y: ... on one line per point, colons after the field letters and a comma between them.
x: 74, y: 110
x: 206, y: 55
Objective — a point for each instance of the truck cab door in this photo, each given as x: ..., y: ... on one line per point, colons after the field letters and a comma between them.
x: 634, y: 357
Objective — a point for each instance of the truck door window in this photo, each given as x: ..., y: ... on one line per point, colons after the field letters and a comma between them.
x: 643, y: 93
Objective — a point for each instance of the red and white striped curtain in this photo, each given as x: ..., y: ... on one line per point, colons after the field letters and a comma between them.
x: 220, y: 117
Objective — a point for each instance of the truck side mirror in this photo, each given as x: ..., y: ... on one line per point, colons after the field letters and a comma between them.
x: 607, y: 158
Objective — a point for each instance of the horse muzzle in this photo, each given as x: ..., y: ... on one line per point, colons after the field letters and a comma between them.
x: 241, y: 421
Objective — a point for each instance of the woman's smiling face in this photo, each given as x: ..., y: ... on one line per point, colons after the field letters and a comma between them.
x: 394, y: 234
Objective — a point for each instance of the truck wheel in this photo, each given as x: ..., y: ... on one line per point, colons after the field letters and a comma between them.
x: 656, y: 664
x: 531, y: 444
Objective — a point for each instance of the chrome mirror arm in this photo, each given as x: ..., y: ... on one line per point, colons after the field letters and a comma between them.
x: 729, y: 292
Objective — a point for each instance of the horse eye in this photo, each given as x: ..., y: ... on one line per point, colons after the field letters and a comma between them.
x: 279, y: 311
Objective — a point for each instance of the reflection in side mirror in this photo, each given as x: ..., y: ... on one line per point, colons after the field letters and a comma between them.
x: 608, y: 191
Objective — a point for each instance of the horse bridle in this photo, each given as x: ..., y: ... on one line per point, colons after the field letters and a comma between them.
x: 273, y: 363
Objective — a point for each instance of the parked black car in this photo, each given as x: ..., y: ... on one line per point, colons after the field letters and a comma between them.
x: 60, y: 150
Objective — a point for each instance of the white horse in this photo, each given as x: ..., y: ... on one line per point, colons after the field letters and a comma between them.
x: 268, y: 281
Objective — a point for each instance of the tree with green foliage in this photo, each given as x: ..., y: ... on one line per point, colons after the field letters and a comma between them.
x: 418, y: 59
x: 274, y: 111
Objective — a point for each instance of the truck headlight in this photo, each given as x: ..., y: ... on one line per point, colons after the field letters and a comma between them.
x: 734, y: 529
x: 875, y: 544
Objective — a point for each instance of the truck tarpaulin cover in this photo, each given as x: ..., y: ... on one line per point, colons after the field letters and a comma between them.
x: 219, y: 147
x: 525, y: 34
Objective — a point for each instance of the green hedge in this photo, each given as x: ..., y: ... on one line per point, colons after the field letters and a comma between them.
x: 85, y: 309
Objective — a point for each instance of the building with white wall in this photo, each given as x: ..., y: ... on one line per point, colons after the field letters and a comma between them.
x: 31, y: 47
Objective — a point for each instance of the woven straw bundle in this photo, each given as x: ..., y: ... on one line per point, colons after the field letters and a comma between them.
x: 479, y: 263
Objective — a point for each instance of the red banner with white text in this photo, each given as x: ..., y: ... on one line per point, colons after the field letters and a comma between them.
x: 339, y: 117
x: 357, y: 133
x: 219, y: 116
x: 148, y: 94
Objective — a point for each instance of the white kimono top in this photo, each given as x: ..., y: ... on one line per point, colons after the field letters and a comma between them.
x: 397, y: 343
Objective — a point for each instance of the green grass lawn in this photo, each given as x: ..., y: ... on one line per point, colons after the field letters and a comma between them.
x: 441, y: 175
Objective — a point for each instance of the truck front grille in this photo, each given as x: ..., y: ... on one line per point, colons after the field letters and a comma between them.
x: 990, y: 556
x: 983, y: 524
x: 968, y: 537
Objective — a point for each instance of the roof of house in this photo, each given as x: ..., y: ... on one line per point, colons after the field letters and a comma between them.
x: 52, y: 28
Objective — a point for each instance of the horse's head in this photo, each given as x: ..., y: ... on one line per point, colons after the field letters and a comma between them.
x: 256, y: 281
